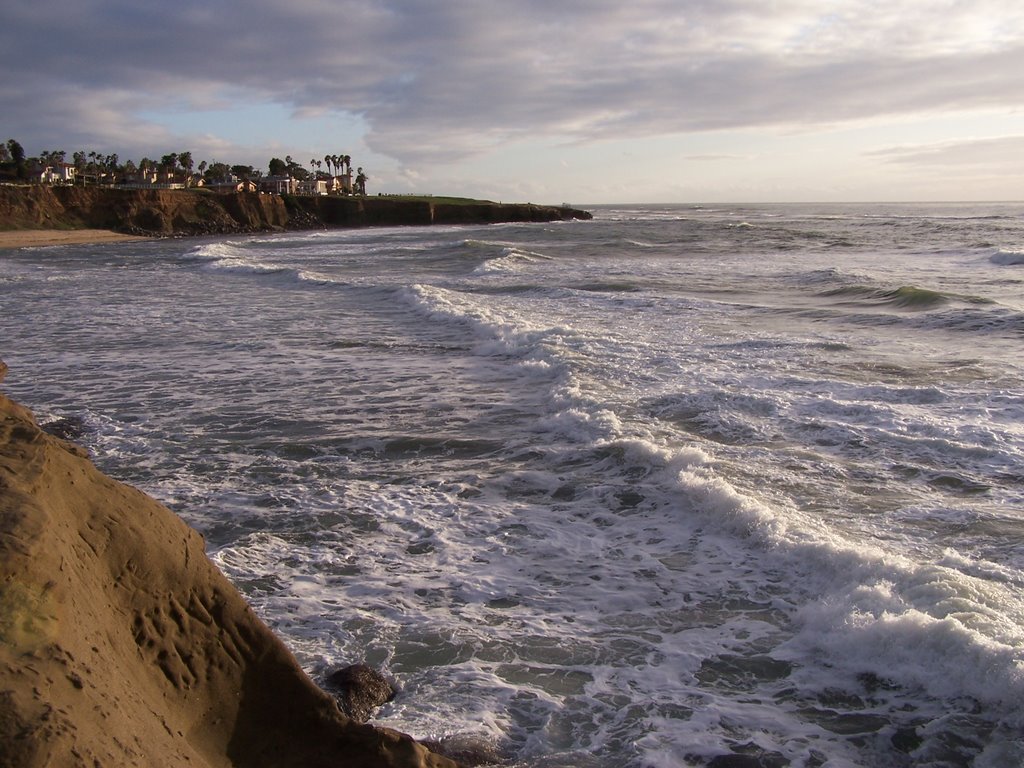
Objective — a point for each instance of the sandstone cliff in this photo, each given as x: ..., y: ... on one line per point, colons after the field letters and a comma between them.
x: 195, y: 212
x: 122, y: 645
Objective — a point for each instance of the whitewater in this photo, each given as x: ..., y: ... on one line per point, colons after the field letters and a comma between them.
x: 672, y: 485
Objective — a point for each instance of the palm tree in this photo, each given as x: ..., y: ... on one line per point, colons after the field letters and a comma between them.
x: 347, y: 160
x: 361, y: 179
x: 186, y: 162
x: 327, y: 160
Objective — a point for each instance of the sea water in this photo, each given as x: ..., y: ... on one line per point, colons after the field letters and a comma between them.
x: 675, y: 483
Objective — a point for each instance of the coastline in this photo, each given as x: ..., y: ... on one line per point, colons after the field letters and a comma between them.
x: 34, y: 238
x: 121, y: 643
x: 103, y: 214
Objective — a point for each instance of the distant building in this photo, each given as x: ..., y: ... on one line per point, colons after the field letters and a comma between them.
x: 279, y: 185
x: 315, y: 187
x: 62, y: 173
x: 229, y: 185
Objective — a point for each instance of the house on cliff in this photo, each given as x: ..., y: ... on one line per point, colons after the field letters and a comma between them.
x: 62, y: 173
x: 314, y: 187
x: 152, y: 178
x: 279, y: 185
x: 228, y: 185
x: 325, y: 185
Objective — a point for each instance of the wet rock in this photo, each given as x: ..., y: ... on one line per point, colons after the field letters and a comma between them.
x: 67, y: 428
x: 905, y: 740
x: 467, y: 751
x: 360, y: 690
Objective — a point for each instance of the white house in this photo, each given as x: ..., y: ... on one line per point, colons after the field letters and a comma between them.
x: 229, y: 185
x: 314, y: 187
x: 279, y: 185
x: 62, y: 173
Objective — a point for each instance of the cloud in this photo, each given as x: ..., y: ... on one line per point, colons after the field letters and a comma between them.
x: 994, y: 152
x: 715, y: 157
x: 440, y: 80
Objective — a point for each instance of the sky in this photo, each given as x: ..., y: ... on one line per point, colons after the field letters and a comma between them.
x: 547, y: 101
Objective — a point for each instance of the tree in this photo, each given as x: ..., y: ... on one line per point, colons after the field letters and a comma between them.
x: 168, y: 163
x: 244, y: 171
x: 18, y: 158
x: 16, y: 151
x: 277, y: 166
x: 295, y: 170
x: 347, y: 160
x: 186, y: 162
x: 217, y: 171
x: 361, y: 179
x: 52, y: 157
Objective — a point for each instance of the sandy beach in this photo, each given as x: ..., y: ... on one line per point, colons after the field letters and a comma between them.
x: 24, y: 238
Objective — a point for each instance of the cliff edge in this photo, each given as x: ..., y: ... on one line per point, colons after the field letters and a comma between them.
x: 196, y: 212
x: 122, y: 644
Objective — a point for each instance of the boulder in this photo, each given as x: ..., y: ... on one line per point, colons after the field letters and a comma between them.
x: 361, y: 689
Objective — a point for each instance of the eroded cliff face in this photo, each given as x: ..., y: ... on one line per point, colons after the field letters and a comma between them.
x: 121, y: 644
x: 142, y: 211
x: 195, y: 212
x: 386, y: 211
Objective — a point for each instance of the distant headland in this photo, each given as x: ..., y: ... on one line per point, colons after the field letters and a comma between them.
x: 177, y: 213
x: 193, y: 212
x: 172, y: 197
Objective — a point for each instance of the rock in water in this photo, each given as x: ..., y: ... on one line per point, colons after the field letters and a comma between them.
x: 361, y: 689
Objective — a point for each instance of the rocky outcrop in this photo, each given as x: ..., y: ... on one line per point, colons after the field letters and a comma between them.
x: 121, y: 644
x: 361, y: 689
x: 160, y: 212
x: 199, y: 212
x: 384, y: 211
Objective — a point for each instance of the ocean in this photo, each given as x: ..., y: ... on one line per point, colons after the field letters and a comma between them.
x: 675, y: 484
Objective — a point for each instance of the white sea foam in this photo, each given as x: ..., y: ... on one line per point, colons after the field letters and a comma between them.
x: 512, y: 259
x: 649, y: 508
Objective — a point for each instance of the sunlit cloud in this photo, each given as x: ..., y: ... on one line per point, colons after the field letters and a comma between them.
x: 995, y: 151
x: 430, y: 85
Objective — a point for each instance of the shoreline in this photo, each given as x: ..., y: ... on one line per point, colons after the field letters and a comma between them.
x: 69, y: 214
x: 35, y: 238
x: 122, y: 643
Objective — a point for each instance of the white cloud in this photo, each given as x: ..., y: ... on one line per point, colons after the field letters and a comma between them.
x: 435, y: 82
x: 998, y: 151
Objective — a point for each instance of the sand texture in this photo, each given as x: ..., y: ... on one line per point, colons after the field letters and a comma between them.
x: 24, y: 238
x: 122, y: 645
